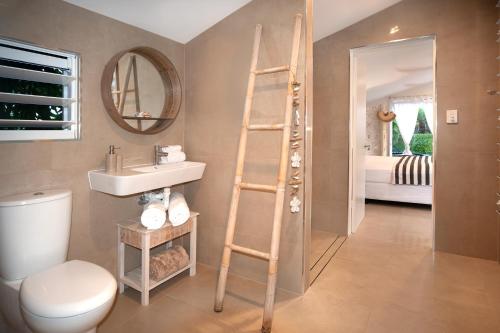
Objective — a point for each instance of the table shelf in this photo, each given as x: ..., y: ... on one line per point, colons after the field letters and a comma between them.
x: 132, y: 233
x: 133, y: 278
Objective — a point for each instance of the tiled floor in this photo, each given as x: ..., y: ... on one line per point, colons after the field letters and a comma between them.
x: 320, y: 242
x: 384, y: 278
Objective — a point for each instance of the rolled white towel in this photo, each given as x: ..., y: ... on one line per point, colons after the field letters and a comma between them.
x: 171, y: 149
x: 153, y: 216
x: 178, y: 210
x: 177, y: 156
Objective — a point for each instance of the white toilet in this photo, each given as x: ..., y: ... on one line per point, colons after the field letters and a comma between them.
x: 36, y: 282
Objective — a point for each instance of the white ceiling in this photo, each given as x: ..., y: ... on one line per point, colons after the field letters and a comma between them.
x: 397, y: 67
x: 334, y: 15
x: 182, y: 20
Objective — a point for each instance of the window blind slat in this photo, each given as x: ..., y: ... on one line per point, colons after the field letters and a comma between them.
x: 34, y: 99
x: 38, y: 68
x: 33, y: 58
x: 35, y: 123
x: 31, y: 75
x: 15, y: 135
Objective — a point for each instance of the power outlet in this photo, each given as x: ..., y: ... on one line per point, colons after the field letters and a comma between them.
x: 452, y: 116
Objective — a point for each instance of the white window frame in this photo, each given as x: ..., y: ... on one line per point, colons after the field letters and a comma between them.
x: 71, y: 103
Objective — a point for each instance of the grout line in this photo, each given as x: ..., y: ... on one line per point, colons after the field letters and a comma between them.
x: 328, y: 262
x: 324, y: 253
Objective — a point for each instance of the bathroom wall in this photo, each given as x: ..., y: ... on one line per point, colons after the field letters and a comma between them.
x: 465, y: 156
x: 219, y: 62
x: 28, y: 166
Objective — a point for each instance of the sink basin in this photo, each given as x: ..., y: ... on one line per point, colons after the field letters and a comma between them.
x: 154, y: 168
x: 144, y: 178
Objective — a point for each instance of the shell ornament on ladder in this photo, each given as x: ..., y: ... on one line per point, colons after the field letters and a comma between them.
x: 295, y: 205
x: 296, y: 118
x: 296, y: 160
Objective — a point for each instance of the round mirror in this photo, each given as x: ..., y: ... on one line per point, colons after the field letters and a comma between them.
x: 141, y: 90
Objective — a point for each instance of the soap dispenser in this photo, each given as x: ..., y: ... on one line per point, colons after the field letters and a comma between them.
x: 111, y: 159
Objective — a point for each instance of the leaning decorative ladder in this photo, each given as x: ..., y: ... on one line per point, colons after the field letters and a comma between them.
x: 279, y: 189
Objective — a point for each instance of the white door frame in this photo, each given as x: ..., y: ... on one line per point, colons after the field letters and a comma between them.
x: 353, y: 144
x: 354, y: 52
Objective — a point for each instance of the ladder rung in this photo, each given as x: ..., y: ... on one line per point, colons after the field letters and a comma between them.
x: 272, y: 70
x: 258, y: 187
x: 266, y: 127
x: 250, y: 252
x: 119, y: 91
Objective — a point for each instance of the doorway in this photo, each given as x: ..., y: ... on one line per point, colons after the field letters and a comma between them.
x: 392, y: 136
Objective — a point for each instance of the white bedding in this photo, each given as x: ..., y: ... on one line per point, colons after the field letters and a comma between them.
x: 399, y: 193
x: 379, y: 168
x: 379, y: 183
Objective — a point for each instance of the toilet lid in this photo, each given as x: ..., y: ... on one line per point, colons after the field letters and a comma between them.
x: 69, y: 289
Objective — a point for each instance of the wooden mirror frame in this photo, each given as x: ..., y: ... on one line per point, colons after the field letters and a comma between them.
x: 171, y: 84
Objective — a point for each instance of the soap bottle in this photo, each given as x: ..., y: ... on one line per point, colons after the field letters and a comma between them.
x: 111, y: 159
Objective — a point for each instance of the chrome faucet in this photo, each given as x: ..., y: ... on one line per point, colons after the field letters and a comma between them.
x: 158, y: 154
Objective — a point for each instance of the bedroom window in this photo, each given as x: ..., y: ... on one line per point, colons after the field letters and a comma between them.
x: 412, y: 129
x: 38, y: 93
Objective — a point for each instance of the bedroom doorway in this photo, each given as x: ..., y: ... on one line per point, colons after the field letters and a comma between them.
x: 392, y: 132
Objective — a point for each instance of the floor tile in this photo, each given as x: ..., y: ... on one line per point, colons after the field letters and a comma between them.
x: 384, y: 278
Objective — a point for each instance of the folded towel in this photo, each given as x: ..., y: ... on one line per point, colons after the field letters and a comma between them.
x: 178, y: 210
x: 167, y: 262
x: 153, y: 215
x: 171, y: 149
x: 177, y: 156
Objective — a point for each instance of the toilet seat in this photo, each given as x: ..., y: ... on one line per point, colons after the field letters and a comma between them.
x: 85, y: 322
x: 69, y: 289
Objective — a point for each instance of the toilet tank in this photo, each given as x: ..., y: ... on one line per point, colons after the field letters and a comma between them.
x: 34, y: 232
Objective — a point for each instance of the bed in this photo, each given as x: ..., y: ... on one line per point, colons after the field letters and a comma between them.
x: 380, y: 183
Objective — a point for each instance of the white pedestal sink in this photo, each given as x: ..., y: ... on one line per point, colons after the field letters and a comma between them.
x: 142, y: 178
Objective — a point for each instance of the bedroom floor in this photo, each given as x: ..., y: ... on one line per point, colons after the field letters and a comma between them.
x: 384, y: 278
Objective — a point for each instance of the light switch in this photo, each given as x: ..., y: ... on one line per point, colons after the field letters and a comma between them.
x: 452, y: 116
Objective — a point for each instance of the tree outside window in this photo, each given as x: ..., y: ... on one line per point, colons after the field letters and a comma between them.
x: 421, y: 142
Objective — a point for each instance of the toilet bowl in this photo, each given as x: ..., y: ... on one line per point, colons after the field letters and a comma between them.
x: 39, y: 291
x: 12, y: 320
x: 70, y: 297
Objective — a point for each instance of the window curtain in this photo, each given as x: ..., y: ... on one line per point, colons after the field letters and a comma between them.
x: 428, y: 110
x: 406, y: 110
x: 406, y: 116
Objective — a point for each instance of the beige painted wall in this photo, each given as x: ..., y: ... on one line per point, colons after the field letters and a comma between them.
x: 465, y: 160
x: 374, y: 130
x: 29, y: 166
x: 219, y: 61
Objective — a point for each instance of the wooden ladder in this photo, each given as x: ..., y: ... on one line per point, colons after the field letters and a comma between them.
x: 122, y: 93
x: 278, y: 189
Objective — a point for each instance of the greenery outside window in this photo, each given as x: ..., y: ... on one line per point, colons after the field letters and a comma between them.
x: 38, y: 93
x: 421, y: 143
